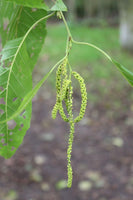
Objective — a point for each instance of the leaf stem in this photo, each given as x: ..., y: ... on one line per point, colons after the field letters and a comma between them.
x: 66, y: 25
x: 82, y: 43
x: 93, y: 46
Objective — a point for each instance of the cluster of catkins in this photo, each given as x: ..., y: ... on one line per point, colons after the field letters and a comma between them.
x: 64, y: 91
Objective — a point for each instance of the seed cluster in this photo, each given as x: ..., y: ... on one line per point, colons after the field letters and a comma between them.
x: 64, y: 94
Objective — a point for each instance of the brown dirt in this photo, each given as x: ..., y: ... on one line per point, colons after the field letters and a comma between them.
x: 102, y: 157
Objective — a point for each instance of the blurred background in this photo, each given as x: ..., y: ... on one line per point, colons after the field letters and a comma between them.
x: 102, y: 157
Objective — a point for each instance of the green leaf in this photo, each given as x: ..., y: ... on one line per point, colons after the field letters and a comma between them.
x: 31, y: 3
x: 19, y: 25
x: 28, y: 98
x: 15, y: 83
x: 59, y: 6
x: 6, y: 12
x: 125, y: 72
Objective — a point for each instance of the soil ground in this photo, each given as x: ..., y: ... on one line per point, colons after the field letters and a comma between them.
x: 102, y: 157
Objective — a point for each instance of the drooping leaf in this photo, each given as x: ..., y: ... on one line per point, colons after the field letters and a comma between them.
x: 59, y: 6
x: 15, y: 83
x: 125, y: 72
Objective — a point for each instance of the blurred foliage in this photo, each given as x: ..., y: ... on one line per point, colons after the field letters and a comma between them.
x: 88, y: 9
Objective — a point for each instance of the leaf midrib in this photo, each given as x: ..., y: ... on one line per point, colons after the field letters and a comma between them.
x: 10, y: 71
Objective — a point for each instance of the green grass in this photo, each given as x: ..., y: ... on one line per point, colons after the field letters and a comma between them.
x: 100, y: 75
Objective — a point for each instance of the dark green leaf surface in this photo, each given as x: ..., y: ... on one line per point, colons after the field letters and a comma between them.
x: 59, y: 5
x: 19, y: 25
x: 6, y: 12
x: 31, y: 3
x: 19, y: 22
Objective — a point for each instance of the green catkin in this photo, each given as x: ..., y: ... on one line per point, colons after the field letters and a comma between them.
x: 71, y: 136
x: 69, y: 45
x: 64, y: 69
x: 83, y: 96
x: 61, y: 71
x: 69, y: 151
x: 58, y: 88
x: 64, y: 93
x: 70, y: 103
x: 65, y: 85
x: 66, y: 99
x: 55, y: 110
x: 62, y: 113
x: 58, y: 79
x: 58, y: 106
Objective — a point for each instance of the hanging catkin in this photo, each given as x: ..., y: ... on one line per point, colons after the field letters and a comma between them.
x: 64, y: 94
